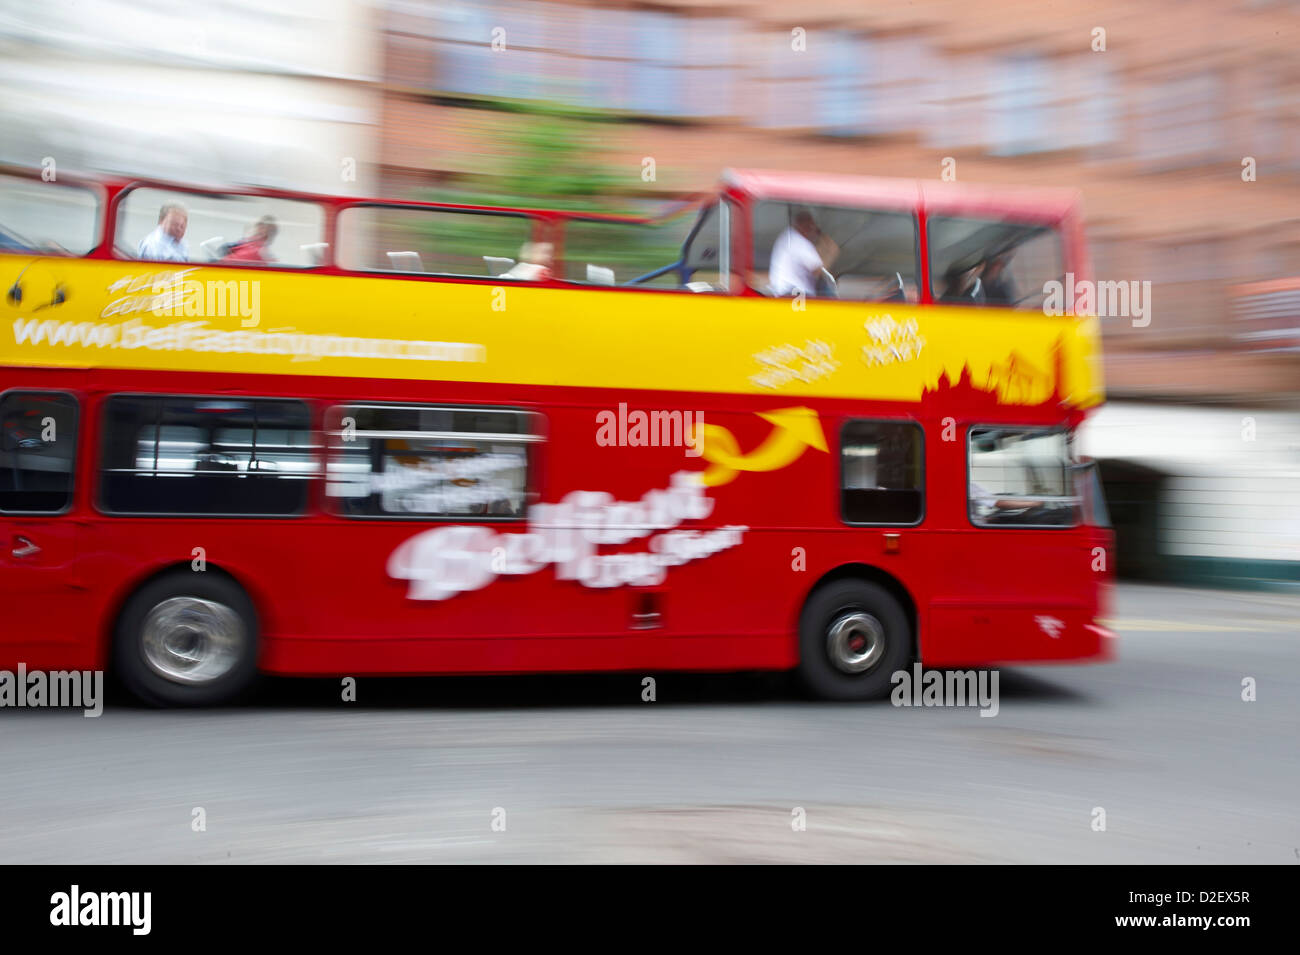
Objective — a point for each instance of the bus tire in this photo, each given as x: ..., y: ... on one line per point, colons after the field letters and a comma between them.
x: 853, y: 636
x: 187, y: 639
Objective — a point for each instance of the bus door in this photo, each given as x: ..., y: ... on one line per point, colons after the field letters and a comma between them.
x: 1017, y: 584
x: 38, y: 444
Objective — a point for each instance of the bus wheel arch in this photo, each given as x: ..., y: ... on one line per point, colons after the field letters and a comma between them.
x: 180, y: 637
x: 857, y: 626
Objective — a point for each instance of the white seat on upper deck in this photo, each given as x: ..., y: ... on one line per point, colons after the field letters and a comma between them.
x: 213, y: 247
x: 314, y: 252
x: 497, y: 264
x: 599, y: 275
x: 406, y: 261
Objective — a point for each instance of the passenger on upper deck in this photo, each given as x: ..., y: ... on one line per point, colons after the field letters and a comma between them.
x: 796, y: 262
x: 166, y: 243
x: 256, y: 247
x: 999, y: 287
x: 964, y: 285
x: 534, y: 265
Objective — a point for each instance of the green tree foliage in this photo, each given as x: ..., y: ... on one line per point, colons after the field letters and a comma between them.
x: 555, y: 158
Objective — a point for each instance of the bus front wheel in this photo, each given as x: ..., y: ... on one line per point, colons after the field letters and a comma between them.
x: 187, y: 639
x: 853, y: 636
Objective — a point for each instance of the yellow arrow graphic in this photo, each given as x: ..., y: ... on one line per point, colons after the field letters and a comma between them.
x: 793, y: 430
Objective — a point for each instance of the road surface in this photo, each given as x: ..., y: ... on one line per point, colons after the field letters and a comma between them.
x: 718, y: 769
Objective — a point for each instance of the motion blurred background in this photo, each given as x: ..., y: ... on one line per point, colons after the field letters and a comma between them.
x: 1178, y: 121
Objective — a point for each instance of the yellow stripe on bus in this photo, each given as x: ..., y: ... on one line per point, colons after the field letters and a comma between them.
x: 129, y: 315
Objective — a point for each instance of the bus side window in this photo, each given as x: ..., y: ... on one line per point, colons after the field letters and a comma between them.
x: 37, y: 451
x: 882, y: 472
x: 428, y: 461
x: 1022, y: 476
x: 205, y: 456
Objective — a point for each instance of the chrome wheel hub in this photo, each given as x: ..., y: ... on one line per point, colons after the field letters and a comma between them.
x: 190, y: 640
x: 855, y: 642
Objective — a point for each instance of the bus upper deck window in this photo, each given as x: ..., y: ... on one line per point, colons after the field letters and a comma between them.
x: 686, y: 251
x: 990, y: 262
x: 167, y: 225
x: 47, y: 218
x: 434, y: 241
x: 854, y: 254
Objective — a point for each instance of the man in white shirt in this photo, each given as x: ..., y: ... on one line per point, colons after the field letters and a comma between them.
x: 796, y: 264
x: 167, y: 242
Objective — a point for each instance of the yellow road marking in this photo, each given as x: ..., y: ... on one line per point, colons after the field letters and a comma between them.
x: 1259, y: 626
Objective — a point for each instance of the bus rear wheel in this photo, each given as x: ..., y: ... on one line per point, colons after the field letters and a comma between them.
x: 187, y: 639
x: 853, y: 636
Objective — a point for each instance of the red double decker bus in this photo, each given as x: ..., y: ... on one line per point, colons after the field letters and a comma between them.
x: 428, y: 438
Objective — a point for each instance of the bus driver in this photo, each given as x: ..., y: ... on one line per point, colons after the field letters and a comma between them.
x: 796, y: 263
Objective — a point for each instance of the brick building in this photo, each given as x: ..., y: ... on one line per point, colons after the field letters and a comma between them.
x: 1157, y: 113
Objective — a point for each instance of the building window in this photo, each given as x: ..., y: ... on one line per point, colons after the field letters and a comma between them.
x: 882, y: 472
x: 427, y: 461
x: 711, y: 64
x: 1021, y: 110
x: 37, y: 451
x: 206, y: 456
x: 656, y: 78
x: 1179, y: 121
x: 784, y: 83
x: 901, y: 96
x: 959, y: 91
x: 845, y: 84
